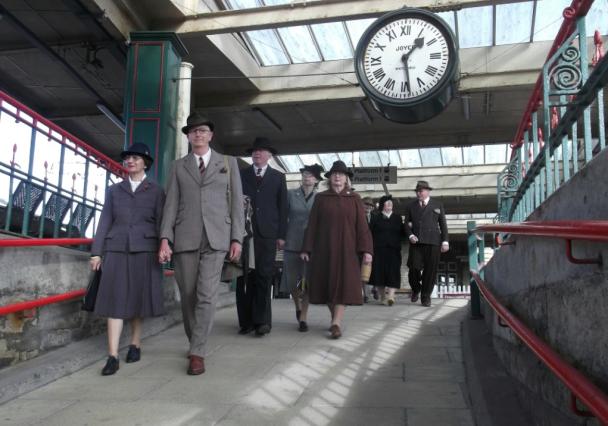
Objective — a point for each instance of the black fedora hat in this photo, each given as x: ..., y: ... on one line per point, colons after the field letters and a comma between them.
x: 315, y: 169
x: 261, y: 143
x: 339, y: 166
x: 194, y: 120
x: 383, y: 200
x: 140, y: 149
x: 422, y: 184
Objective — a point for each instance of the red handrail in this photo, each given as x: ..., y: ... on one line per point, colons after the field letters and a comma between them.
x: 576, y: 9
x: 593, y: 230
x: 31, y: 304
x: 587, y: 392
x: 31, y: 242
x: 102, y: 159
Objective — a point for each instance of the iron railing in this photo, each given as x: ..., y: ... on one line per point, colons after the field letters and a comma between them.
x: 39, y: 161
x: 547, y: 149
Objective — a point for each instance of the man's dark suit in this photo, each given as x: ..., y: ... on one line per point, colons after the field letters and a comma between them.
x: 428, y: 224
x: 269, y: 201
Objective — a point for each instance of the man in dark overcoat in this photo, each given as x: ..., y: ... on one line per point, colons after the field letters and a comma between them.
x: 204, y: 221
x: 427, y: 230
x: 267, y: 189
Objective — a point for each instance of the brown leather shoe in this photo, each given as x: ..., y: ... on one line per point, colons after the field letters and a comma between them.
x: 335, y: 332
x: 197, y: 365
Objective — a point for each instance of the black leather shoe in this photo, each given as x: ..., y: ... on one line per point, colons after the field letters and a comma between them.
x: 426, y: 301
x: 261, y: 330
x: 415, y: 295
x: 111, y: 366
x: 246, y: 330
x: 303, y: 326
x: 134, y: 354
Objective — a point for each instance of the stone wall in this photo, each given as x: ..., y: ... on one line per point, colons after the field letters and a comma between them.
x: 564, y: 303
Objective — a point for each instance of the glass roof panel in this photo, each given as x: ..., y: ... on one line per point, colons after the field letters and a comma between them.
x: 268, y: 47
x: 496, y: 154
x: 475, y: 27
x: 299, y: 44
x: 450, y: 18
x: 597, y: 18
x: 452, y: 156
x: 513, y: 22
x: 292, y: 162
x: 332, y: 40
x: 431, y: 157
x: 347, y: 157
x: 369, y: 159
x: 243, y: 4
x: 309, y: 159
x: 410, y: 158
x: 356, y: 29
x: 328, y: 159
x: 389, y: 156
x: 473, y: 154
x: 549, y: 18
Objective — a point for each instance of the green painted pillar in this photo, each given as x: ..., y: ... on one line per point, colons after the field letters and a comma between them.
x: 151, y: 96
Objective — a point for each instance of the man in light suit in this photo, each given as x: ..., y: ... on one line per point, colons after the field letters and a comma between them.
x: 203, y: 220
x: 427, y: 230
x: 267, y: 190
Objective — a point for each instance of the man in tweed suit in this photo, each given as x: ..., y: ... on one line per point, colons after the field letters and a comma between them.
x: 427, y: 230
x: 203, y: 219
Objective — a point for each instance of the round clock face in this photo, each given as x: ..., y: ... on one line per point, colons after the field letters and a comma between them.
x: 406, y: 58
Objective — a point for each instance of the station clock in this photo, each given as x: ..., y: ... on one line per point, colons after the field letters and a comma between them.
x: 407, y: 64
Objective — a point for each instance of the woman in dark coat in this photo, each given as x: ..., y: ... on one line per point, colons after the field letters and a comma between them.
x: 125, y: 247
x: 387, y: 231
x: 336, y: 238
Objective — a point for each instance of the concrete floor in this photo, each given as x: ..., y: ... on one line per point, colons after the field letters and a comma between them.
x: 393, y: 366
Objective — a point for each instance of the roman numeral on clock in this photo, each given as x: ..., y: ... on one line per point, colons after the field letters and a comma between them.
x: 420, y: 82
x: 430, y: 70
x: 379, y: 46
x: 431, y: 41
x: 406, y: 30
x: 435, y: 55
x: 390, y: 84
x: 391, y: 35
x: 405, y: 86
x: 375, y: 61
x: 379, y: 74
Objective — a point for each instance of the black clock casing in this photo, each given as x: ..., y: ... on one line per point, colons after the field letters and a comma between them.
x: 407, y: 64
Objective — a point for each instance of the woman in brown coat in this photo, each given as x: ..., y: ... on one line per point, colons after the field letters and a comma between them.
x: 337, y: 239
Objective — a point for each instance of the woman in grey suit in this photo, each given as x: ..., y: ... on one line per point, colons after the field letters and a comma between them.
x: 299, y: 202
x: 125, y: 247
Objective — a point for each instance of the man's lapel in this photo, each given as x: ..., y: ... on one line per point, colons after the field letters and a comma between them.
x: 216, y: 163
x: 189, y: 162
x: 125, y: 185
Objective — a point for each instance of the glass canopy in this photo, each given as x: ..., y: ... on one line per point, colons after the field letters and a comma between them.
x: 403, y: 158
x: 474, y: 27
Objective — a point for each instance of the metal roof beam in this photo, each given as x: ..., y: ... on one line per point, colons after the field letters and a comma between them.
x: 304, y: 13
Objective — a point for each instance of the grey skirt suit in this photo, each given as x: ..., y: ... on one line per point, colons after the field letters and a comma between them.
x: 127, y: 239
x: 298, y: 210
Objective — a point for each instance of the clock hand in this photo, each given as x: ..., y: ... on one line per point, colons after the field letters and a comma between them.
x: 404, y: 59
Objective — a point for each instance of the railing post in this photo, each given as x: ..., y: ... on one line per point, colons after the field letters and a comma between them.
x: 473, y: 266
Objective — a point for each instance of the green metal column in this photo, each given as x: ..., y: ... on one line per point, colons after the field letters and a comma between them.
x: 151, y: 96
x: 473, y: 244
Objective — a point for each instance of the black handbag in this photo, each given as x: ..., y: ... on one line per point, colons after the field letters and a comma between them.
x: 88, y: 302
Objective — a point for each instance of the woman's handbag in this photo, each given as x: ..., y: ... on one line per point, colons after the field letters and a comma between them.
x: 88, y: 302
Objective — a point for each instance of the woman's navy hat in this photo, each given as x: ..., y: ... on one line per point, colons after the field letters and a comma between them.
x: 140, y: 149
x: 262, y: 143
x: 340, y: 167
x: 195, y: 120
x: 315, y: 169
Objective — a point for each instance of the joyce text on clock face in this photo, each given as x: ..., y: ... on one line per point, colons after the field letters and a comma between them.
x: 406, y: 58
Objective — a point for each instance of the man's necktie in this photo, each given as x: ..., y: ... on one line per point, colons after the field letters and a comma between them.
x: 201, y: 165
x: 258, y: 176
x: 422, y: 204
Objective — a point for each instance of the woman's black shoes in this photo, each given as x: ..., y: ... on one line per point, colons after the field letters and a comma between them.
x: 134, y: 354
x: 303, y: 326
x: 111, y: 366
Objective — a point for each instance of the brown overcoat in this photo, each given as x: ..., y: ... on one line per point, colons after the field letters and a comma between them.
x: 336, y: 237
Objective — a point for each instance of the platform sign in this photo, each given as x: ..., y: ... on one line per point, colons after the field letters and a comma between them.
x: 375, y: 175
